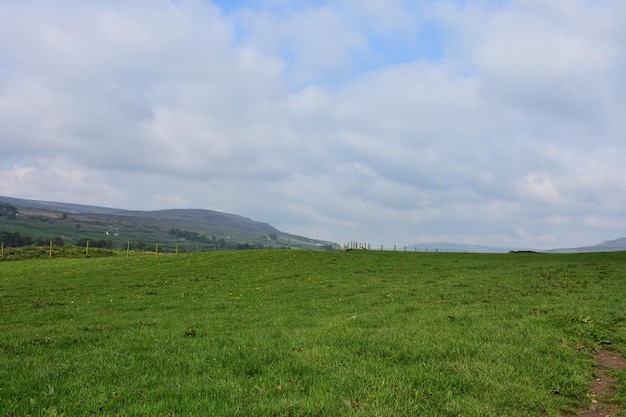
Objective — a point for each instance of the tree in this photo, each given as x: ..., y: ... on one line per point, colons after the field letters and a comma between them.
x: 98, y: 243
x: 138, y: 246
x: 14, y: 239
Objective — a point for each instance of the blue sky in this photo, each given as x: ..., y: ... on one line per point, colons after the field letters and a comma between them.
x: 390, y: 122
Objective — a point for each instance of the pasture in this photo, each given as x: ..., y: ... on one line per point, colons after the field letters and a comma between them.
x: 304, y: 333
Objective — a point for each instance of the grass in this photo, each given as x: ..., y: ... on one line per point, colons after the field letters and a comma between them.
x: 302, y: 333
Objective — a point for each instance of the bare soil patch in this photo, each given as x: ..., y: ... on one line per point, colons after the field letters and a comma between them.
x: 603, y: 389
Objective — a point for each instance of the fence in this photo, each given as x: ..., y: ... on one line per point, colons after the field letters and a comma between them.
x: 88, y: 249
x: 367, y: 246
x: 50, y: 249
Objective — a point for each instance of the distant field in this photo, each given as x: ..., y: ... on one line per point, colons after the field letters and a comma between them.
x: 306, y: 333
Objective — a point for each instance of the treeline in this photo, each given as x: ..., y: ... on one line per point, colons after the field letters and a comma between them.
x: 95, y: 243
x: 196, y: 237
x: 15, y: 240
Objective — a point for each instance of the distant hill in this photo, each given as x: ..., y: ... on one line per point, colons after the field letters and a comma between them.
x: 606, y: 246
x: 189, y: 229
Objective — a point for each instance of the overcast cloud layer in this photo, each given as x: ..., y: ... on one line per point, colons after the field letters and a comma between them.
x: 500, y: 123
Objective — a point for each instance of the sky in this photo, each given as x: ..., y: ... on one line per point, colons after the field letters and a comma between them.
x: 497, y: 123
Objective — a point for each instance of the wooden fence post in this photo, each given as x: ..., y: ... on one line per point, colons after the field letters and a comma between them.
x: 50, y: 249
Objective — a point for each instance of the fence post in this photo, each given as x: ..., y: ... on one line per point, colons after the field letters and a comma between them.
x: 50, y: 249
x: 177, y: 249
x: 87, y: 248
x: 2, y: 250
x: 128, y: 249
x: 156, y: 249
x: 394, y: 248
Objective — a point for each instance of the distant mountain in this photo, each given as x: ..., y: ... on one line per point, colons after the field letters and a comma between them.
x: 189, y: 229
x: 606, y: 246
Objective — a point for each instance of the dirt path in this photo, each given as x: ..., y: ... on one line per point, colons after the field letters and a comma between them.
x: 604, y: 387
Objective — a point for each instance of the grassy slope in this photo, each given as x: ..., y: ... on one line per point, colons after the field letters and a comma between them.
x: 150, y: 227
x: 294, y: 333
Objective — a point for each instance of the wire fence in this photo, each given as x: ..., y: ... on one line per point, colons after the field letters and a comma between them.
x: 352, y: 245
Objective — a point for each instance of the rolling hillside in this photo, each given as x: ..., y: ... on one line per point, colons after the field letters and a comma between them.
x: 189, y: 229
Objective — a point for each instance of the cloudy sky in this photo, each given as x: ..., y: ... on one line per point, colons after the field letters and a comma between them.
x: 499, y: 123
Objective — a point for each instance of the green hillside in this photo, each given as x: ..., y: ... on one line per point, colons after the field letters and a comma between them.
x: 189, y: 229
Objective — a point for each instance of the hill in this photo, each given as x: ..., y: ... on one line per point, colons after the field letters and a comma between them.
x: 606, y: 246
x: 189, y: 229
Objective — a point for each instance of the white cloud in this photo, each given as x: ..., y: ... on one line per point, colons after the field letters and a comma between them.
x: 534, y: 187
x: 60, y: 181
x: 323, y: 118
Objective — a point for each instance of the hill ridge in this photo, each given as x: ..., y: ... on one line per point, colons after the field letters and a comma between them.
x: 618, y: 244
x: 614, y: 245
x: 186, y: 228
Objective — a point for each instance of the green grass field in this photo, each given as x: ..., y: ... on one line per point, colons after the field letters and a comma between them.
x: 303, y: 333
